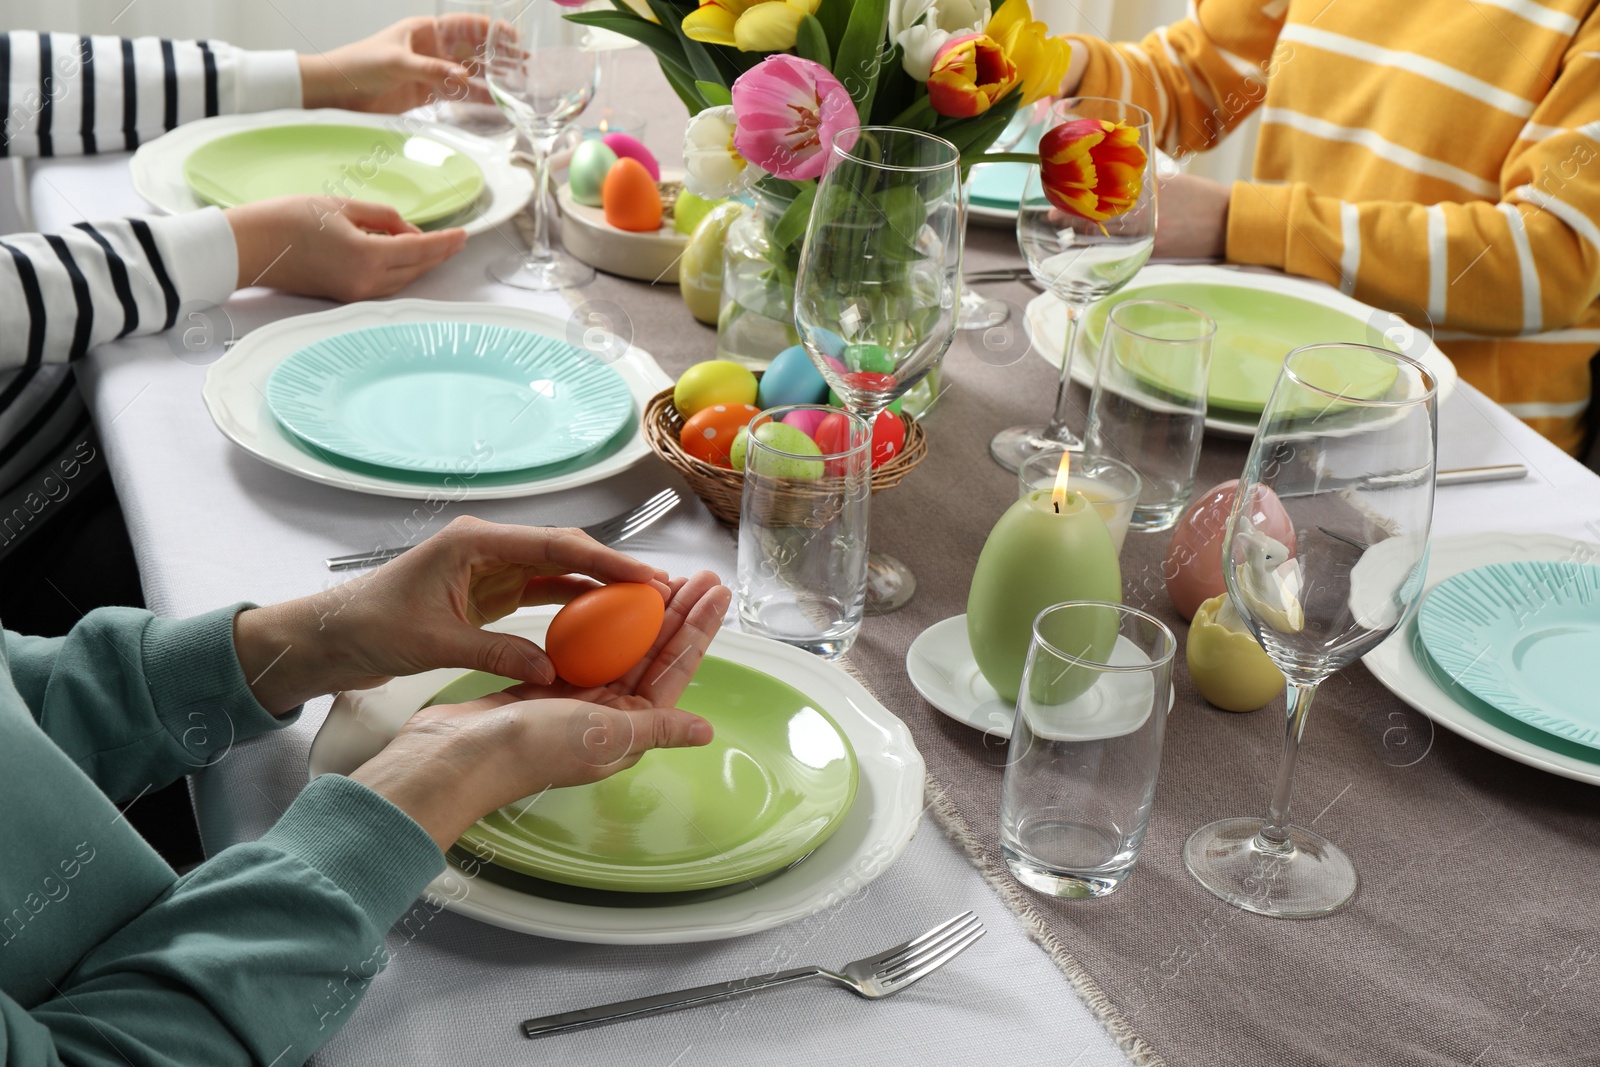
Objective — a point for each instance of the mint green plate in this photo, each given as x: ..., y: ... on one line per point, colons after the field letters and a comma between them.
x: 423, y: 179
x: 1255, y: 330
x: 1523, y: 637
x: 775, y: 782
x: 440, y: 397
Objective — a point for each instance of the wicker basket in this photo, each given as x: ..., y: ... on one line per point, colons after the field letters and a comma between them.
x: 723, y: 489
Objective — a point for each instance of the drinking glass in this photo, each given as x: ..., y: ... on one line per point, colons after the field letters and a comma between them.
x: 1148, y: 405
x: 1079, y: 261
x: 1110, y: 486
x: 879, y: 280
x: 460, y: 30
x: 1347, y: 445
x: 802, y: 570
x: 541, y: 75
x: 1085, y: 748
x: 978, y: 312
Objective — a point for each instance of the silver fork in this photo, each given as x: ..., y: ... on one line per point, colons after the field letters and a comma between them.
x: 610, y: 531
x: 874, y: 977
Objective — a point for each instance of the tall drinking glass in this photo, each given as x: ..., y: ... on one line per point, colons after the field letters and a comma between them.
x: 1148, y: 405
x: 802, y: 571
x: 1079, y: 261
x: 461, y: 31
x: 1347, y: 445
x: 1084, y: 752
x: 541, y: 75
x: 880, y: 281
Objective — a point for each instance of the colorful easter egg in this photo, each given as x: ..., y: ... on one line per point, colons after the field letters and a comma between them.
x: 709, y: 433
x: 601, y: 634
x: 791, y: 379
x: 715, y: 381
x: 631, y: 198
x: 591, y: 162
x: 627, y: 146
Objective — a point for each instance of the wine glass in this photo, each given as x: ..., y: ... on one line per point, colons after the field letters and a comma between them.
x: 1079, y: 261
x: 541, y: 75
x: 977, y: 311
x: 1346, y: 445
x: 879, y: 281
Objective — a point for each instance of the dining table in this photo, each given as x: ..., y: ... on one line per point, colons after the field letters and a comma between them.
x: 1473, y: 939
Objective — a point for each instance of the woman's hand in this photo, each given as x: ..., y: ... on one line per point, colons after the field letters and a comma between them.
x: 327, y: 246
x: 425, y: 609
x: 452, y: 764
x: 1193, y: 219
x: 396, y: 69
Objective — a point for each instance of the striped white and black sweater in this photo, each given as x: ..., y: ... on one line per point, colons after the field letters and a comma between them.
x: 62, y: 294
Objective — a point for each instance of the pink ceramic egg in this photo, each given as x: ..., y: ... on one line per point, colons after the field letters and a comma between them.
x: 1193, y: 567
x: 805, y: 421
x: 627, y: 146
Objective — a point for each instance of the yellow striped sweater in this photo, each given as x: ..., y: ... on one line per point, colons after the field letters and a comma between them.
x: 1431, y: 156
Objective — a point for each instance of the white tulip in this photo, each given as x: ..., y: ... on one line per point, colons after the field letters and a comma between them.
x: 922, y: 27
x: 716, y: 169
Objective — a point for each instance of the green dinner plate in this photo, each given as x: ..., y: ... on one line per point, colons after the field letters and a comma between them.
x: 775, y: 782
x: 440, y: 397
x: 423, y: 179
x: 1255, y: 330
x: 1524, y: 637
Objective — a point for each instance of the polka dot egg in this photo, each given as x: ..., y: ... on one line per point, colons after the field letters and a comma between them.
x: 709, y: 433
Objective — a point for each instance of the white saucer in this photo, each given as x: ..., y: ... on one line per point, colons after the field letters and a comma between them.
x: 942, y: 669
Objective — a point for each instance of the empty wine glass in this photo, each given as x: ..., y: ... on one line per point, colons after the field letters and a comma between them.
x: 1079, y: 261
x: 541, y: 75
x: 879, y: 281
x: 1346, y: 444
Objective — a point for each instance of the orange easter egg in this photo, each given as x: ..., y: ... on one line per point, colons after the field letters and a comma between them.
x: 601, y: 634
x: 631, y: 198
x: 709, y: 433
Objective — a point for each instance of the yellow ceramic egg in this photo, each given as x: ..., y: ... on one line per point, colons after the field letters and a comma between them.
x: 1227, y: 664
x: 716, y: 381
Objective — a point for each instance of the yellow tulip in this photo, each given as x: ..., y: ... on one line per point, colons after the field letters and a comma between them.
x: 642, y: 9
x: 1039, y: 58
x: 749, y: 25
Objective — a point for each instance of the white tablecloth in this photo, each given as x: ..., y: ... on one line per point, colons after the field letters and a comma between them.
x: 211, y: 525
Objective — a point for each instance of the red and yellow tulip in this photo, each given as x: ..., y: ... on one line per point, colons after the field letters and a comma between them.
x: 1041, y: 60
x: 969, y: 74
x: 1092, y: 168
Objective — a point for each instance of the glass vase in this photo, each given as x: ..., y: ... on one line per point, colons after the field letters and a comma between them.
x: 756, y: 320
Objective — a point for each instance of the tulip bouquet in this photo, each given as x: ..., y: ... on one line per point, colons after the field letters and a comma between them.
x: 769, y: 84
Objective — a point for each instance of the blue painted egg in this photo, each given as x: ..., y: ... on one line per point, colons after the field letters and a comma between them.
x: 791, y: 379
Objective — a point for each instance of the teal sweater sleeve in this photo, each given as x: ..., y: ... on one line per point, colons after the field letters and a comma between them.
x: 256, y: 957
x: 138, y: 701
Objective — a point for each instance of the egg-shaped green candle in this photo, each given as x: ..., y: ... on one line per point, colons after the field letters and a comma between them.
x: 1036, y: 555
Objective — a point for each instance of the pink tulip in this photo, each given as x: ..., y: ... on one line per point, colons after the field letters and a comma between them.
x: 789, y: 110
x: 572, y: 3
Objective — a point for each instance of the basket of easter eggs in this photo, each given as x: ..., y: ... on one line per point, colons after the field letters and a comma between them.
x: 693, y: 426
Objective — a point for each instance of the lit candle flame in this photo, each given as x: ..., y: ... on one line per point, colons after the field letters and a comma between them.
x: 1058, y: 495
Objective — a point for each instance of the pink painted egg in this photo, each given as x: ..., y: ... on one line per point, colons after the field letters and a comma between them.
x: 805, y: 421
x: 627, y: 146
x: 1193, y: 567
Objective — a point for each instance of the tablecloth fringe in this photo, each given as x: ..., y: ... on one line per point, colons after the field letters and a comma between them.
x: 1117, y: 1025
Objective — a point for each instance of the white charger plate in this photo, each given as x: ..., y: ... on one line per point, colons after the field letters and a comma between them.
x: 877, y: 830
x: 157, y: 166
x: 236, y: 385
x: 1046, y: 321
x: 1402, y: 665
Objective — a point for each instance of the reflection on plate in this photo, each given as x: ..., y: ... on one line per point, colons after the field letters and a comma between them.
x: 235, y: 395
x: 1404, y: 667
x: 423, y: 179
x: 872, y: 836
x: 777, y: 778
x: 1525, y: 637
x: 1245, y: 369
x: 427, y: 396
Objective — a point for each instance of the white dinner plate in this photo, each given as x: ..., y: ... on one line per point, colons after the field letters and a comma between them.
x: 1046, y: 319
x: 877, y: 830
x: 158, y: 165
x: 236, y: 384
x: 1401, y: 663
